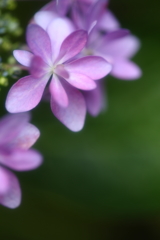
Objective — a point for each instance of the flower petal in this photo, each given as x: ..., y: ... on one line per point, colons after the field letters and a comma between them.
x: 96, y: 11
x: 62, y: 6
x: 22, y: 160
x: 23, y: 57
x: 116, y: 35
x: 91, y: 66
x: 108, y: 22
x: 4, y: 181
x: 95, y: 100
x: 80, y: 81
x: 73, y: 116
x: 104, y: 43
x: 43, y: 18
x: 38, y: 67
x: 124, y: 47
x: 39, y: 42
x: 25, y: 94
x: 58, y: 92
x: 58, y: 30
x: 27, y: 137
x: 125, y: 69
x: 72, y: 45
x: 12, y: 197
x: 11, y: 125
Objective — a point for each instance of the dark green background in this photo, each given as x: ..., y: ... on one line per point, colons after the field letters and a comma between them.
x: 103, y: 182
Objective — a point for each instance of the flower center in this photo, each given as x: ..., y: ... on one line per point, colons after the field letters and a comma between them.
x: 52, y: 69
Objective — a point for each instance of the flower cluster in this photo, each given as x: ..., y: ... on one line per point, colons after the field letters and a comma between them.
x: 17, y: 135
x: 72, y: 46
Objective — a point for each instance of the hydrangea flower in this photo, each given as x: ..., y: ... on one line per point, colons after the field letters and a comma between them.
x: 107, y: 40
x: 17, y: 135
x: 52, y: 58
x: 117, y: 47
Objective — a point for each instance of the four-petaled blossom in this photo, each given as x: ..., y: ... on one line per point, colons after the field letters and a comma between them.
x: 17, y: 135
x: 105, y: 39
x: 55, y: 58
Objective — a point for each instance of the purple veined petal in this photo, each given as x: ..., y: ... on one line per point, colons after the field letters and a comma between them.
x: 22, y: 160
x: 23, y: 57
x: 95, y: 100
x: 58, y: 30
x: 124, y: 47
x: 72, y: 45
x: 12, y: 197
x: 126, y: 70
x: 43, y: 18
x: 11, y: 125
x: 80, y: 81
x: 73, y: 116
x: 108, y: 22
x: 58, y: 92
x: 26, y: 138
x: 93, y: 67
x: 38, y: 68
x: 25, y: 94
x: 39, y: 42
x: 4, y: 181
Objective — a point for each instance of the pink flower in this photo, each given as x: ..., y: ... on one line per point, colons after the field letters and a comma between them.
x: 52, y: 58
x: 117, y: 47
x: 17, y: 135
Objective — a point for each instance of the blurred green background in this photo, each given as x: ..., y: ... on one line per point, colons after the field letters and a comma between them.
x: 103, y: 182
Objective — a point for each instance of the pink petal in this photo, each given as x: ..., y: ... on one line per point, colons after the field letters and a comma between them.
x: 27, y: 137
x: 4, y: 181
x: 95, y: 100
x: 22, y: 160
x: 101, y: 43
x: 124, y: 47
x: 116, y: 35
x: 38, y: 67
x: 58, y: 30
x: 43, y: 18
x: 25, y: 94
x: 11, y: 125
x: 91, y: 66
x: 23, y: 57
x: 39, y: 42
x: 72, y: 45
x: 58, y: 92
x: 108, y: 22
x: 73, y: 116
x: 80, y: 81
x: 12, y: 197
x: 125, y: 69
x: 61, y: 71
